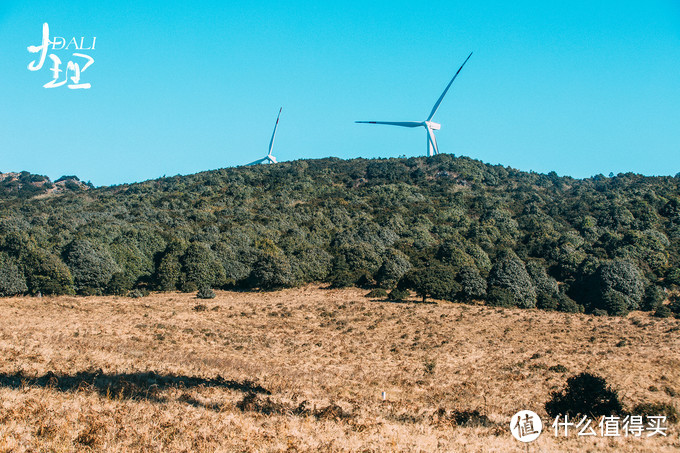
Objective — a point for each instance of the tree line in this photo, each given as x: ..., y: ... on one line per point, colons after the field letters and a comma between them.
x: 445, y: 227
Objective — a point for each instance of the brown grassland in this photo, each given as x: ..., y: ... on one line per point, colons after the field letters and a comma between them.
x: 303, y: 370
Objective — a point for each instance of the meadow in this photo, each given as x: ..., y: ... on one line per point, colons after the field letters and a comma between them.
x: 304, y: 369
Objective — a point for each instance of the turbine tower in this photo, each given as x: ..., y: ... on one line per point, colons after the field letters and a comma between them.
x: 269, y: 159
x: 429, y: 125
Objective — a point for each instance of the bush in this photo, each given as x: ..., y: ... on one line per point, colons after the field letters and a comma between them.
x: 584, y: 394
x: 673, y: 276
x: 377, y: 293
x: 662, y: 311
x: 137, y: 293
x: 615, y: 303
x: 568, y: 305
x: 205, y: 292
x: 399, y: 295
x: 500, y: 297
x: 674, y: 306
x: 119, y: 284
x: 654, y: 296
x: 201, y: 268
x: 651, y: 409
x: 547, y: 302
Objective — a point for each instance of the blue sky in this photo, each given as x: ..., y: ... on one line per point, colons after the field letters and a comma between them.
x: 577, y: 87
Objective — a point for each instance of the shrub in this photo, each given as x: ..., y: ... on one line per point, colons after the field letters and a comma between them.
x: 399, y: 295
x: 377, y: 293
x: 500, y: 297
x: 615, y: 303
x: 584, y: 394
x: 547, y: 302
x: 119, y: 284
x: 568, y: 305
x: 651, y: 409
x: 205, y: 292
x: 136, y: 293
x: 674, y: 306
x: 662, y: 311
x: 673, y: 276
x: 168, y: 272
x: 201, y: 268
x: 654, y: 296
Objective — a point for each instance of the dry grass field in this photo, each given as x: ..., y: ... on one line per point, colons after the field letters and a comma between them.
x: 303, y: 370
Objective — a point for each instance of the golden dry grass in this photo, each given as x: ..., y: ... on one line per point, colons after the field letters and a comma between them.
x: 303, y: 370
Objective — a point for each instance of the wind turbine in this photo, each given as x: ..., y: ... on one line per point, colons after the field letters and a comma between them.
x: 269, y: 159
x: 429, y: 125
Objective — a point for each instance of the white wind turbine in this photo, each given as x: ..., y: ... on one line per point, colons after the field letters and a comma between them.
x: 269, y: 159
x: 429, y: 125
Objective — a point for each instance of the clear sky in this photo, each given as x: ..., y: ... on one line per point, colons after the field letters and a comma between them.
x: 579, y: 87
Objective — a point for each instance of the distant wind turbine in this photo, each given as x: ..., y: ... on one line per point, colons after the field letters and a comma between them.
x: 429, y: 125
x: 269, y: 159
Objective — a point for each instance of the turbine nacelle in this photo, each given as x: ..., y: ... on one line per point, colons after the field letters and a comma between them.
x: 432, y: 125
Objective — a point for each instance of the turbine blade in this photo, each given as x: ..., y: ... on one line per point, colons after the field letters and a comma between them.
x: 271, y: 142
x: 432, y: 148
x: 394, y: 123
x: 439, y: 101
x: 259, y: 161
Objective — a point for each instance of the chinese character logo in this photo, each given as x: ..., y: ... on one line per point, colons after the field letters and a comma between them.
x: 526, y: 426
x: 74, y: 70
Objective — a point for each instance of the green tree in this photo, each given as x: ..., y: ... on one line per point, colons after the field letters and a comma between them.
x: 510, y: 274
x: 472, y: 284
x: 272, y: 272
x: 437, y: 281
x: 394, y: 266
x: 12, y: 280
x: 92, y: 266
x: 46, y: 273
x: 625, y: 278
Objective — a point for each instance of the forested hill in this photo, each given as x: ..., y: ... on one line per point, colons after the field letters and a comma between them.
x: 447, y: 227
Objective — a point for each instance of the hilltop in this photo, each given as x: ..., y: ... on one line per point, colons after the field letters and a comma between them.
x: 446, y: 227
x: 24, y: 185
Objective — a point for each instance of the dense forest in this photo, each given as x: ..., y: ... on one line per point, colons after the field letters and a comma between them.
x: 445, y: 227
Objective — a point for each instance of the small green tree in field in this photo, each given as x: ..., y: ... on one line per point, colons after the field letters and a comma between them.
x: 585, y: 394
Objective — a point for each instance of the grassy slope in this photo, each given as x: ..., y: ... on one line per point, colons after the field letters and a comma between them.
x: 333, y: 349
